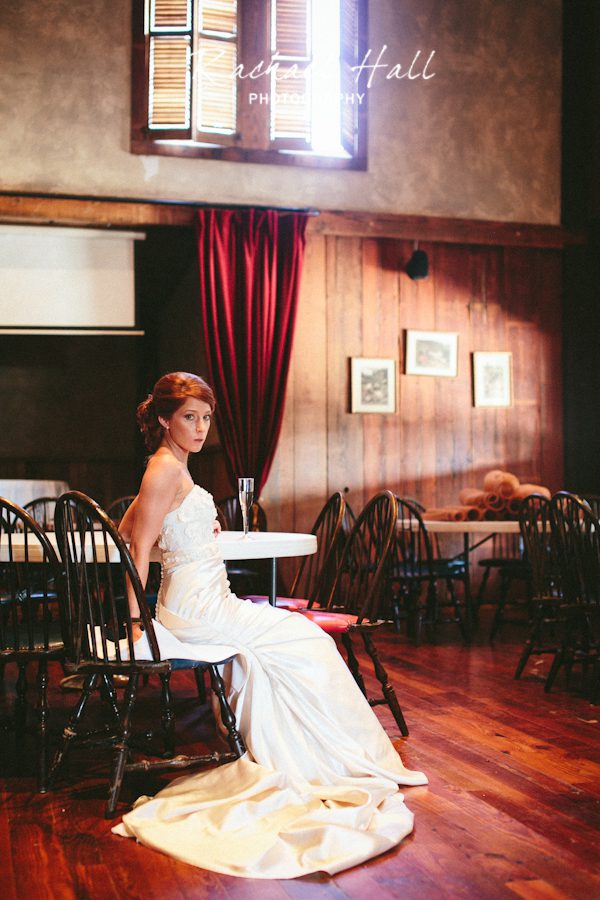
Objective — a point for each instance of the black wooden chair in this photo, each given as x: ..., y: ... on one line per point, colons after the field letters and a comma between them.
x: 415, y: 575
x: 546, y: 594
x: 100, y: 645
x: 230, y: 509
x: 117, y: 509
x: 315, y: 573
x: 32, y: 618
x: 42, y: 510
x: 576, y: 531
x: 511, y: 564
x: 355, y: 600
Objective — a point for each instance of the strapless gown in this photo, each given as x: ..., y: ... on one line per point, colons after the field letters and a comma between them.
x: 317, y: 789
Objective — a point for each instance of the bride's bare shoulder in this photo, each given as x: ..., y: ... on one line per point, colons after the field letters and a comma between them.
x: 163, y: 472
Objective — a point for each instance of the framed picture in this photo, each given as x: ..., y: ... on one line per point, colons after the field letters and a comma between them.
x: 373, y: 385
x: 432, y: 353
x: 492, y: 379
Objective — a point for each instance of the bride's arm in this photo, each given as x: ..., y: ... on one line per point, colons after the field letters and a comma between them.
x: 155, y: 499
x: 126, y: 523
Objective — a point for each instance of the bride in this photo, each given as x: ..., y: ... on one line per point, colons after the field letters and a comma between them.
x: 317, y: 789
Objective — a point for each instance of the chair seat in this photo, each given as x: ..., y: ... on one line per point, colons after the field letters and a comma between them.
x: 331, y: 622
x: 290, y: 603
x: 440, y: 568
x: 503, y: 562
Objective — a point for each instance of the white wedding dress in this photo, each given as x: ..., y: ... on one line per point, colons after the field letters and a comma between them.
x: 317, y: 789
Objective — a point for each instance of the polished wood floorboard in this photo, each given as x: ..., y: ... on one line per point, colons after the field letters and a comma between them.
x: 512, y: 808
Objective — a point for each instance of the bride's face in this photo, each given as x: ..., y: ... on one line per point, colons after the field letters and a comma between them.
x: 188, y: 426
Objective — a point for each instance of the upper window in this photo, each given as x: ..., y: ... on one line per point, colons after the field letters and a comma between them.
x: 250, y: 80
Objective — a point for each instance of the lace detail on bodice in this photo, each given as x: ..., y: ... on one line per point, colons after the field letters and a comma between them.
x: 187, y: 533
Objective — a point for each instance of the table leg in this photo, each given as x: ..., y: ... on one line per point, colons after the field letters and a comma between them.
x: 273, y: 586
x: 468, y: 598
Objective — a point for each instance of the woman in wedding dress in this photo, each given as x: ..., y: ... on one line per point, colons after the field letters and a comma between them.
x: 317, y: 789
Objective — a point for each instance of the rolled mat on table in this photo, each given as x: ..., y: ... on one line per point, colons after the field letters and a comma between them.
x: 494, y: 501
x: 501, y: 498
x: 525, y: 490
x: 472, y: 497
x: 453, y: 514
x: 504, y: 484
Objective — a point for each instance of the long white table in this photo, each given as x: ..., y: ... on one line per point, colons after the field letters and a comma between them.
x: 22, y: 490
x: 232, y: 544
x: 490, y: 527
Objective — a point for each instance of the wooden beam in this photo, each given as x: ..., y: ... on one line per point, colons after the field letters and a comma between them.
x: 50, y: 210
x: 124, y: 213
x: 440, y: 230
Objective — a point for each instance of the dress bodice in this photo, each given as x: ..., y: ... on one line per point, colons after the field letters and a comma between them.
x: 187, y: 533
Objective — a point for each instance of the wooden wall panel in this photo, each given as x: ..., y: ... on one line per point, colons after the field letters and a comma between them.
x: 344, y: 339
x: 381, y: 436
x: 356, y: 300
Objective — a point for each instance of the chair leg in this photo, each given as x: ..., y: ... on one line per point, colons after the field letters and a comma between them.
x: 353, y: 663
x: 559, y: 658
x: 431, y: 614
x: 167, y: 718
x: 527, y: 651
x: 388, y: 691
x: 498, y: 620
x: 482, y: 586
x: 200, y: 683
x: 20, y: 713
x: 395, y: 603
x: 227, y: 717
x: 122, y: 749
x: 43, y: 726
x: 109, y: 694
x: 462, y: 611
x: 70, y: 729
x: 595, y: 685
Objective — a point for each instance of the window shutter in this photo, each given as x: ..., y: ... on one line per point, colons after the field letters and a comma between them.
x: 291, y: 83
x: 169, y: 67
x: 215, y: 82
x: 217, y: 86
x: 169, y: 97
x: 352, y: 50
x: 170, y: 15
x: 291, y: 28
x: 218, y: 16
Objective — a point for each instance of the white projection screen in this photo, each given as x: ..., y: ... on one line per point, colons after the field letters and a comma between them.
x: 74, y: 280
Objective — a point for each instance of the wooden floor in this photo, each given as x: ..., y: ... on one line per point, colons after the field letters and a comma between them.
x: 512, y: 808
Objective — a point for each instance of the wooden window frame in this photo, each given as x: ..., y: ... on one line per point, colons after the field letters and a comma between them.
x: 251, y: 142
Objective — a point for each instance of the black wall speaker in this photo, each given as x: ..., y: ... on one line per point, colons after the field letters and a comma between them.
x: 418, y: 265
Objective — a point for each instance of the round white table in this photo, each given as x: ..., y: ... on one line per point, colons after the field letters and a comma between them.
x: 262, y: 545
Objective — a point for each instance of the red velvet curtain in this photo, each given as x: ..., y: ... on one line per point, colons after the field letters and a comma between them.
x: 250, y: 266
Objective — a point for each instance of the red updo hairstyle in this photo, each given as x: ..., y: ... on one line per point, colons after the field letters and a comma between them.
x: 169, y: 393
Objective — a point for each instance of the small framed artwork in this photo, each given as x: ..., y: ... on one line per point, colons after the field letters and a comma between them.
x: 373, y: 385
x: 492, y: 379
x: 432, y: 353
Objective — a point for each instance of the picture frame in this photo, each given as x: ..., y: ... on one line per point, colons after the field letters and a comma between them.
x: 492, y: 379
x: 373, y: 385
x: 432, y: 353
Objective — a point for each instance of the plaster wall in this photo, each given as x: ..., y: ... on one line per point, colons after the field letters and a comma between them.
x: 480, y: 139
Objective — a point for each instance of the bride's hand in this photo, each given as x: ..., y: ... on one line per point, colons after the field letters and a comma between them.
x: 216, y: 528
x: 136, y: 631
